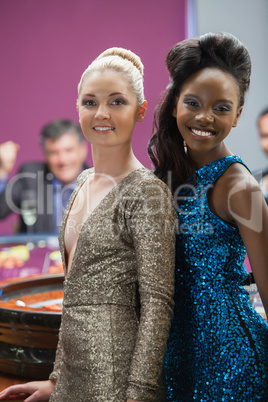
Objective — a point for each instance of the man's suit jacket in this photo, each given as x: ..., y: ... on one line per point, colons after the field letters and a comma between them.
x: 35, y: 176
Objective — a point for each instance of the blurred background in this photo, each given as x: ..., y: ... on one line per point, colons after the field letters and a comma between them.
x: 44, y: 48
x: 46, y: 45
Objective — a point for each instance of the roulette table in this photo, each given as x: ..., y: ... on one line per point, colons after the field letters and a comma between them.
x: 30, y: 310
x: 29, y: 324
x: 17, y: 259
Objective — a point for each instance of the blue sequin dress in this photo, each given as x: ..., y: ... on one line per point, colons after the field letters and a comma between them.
x: 218, y: 345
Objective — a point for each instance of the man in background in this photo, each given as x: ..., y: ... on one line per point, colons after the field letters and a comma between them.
x: 263, y: 135
x: 52, y: 181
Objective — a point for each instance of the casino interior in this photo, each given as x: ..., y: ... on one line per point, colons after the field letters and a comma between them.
x: 31, y: 271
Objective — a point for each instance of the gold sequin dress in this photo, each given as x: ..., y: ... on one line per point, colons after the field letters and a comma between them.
x: 118, y: 296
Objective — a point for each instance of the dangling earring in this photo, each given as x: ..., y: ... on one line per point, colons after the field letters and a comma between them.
x: 185, y: 147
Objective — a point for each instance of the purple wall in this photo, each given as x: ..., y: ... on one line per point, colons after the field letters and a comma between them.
x: 46, y: 45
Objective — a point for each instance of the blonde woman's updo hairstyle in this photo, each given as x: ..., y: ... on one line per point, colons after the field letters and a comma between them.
x: 122, y: 61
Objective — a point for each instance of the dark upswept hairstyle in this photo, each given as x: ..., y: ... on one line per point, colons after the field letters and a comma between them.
x: 222, y: 51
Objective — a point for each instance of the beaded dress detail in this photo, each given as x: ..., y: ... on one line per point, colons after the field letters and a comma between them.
x: 218, y: 345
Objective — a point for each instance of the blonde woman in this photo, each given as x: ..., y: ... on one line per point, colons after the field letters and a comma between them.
x: 117, y: 241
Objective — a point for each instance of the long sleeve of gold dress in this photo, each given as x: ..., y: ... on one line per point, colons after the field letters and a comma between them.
x: 118, y: 296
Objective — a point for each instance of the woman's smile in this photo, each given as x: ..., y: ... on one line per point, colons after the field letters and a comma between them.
x: 202, y: 133
x: 103, y: 129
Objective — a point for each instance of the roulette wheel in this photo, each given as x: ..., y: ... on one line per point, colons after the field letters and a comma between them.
x: 30, y: 316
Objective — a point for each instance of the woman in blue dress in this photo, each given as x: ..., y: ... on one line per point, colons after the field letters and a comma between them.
x: 218, y: 345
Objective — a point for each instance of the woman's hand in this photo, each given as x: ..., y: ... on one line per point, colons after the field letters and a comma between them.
x: 38, y: 390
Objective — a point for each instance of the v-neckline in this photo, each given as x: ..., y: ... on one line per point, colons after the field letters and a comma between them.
x: 66, y: 215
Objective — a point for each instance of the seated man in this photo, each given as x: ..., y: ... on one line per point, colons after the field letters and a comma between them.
x: 263, y: 133
x: 53, y: 181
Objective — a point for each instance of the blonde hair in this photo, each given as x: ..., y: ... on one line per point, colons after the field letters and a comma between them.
x: 123, y: 61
